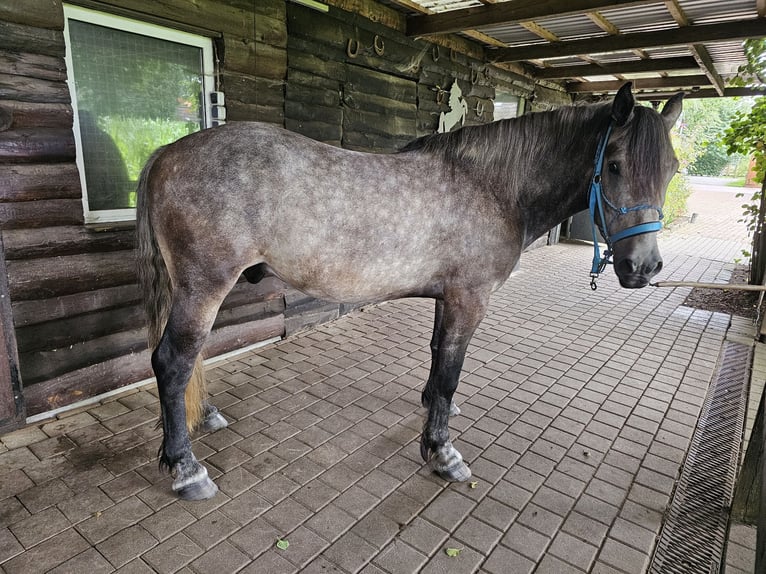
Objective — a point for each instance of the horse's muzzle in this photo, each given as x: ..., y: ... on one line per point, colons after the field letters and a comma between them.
x: 633, y: 274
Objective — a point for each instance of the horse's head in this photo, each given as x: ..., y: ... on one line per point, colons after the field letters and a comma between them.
x: 638, y: 164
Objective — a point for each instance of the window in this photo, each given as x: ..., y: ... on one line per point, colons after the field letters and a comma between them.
x: 135, y: 87
x: 506, y: 105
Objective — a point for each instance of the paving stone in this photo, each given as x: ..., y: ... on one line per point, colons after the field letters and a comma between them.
x: 126, y: 545
x: 166, y: 522
x: 47, y: 555
x: 39, y: 527
x: 102, y: 525
x: 222, y: 559
x: 172, y: 554
x: 503, y: 561
x: 350, y: 552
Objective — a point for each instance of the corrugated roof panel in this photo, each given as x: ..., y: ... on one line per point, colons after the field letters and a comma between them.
x: 445, y: 5
x: 644, y: 18
x: 716, y: 11
x: 727, y: 57
x: 573, y: 27
x: 667, y: 52
x: 513, y: 35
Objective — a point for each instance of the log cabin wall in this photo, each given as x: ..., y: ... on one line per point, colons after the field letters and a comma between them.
x: 73, y: 295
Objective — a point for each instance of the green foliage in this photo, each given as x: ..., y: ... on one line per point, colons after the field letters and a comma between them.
x: 676, y: 197
x: 746, y: 135
x: 137, y: 138
x: 704, y: 123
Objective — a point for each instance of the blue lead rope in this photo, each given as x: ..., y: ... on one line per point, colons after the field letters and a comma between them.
x: 596, y: 201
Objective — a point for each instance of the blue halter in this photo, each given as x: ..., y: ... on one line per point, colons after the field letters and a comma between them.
x: 596, y: 201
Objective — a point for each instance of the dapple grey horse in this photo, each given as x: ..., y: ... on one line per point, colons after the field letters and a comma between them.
x: 446, y: 218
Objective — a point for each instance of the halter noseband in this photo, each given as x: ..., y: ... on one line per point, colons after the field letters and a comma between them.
x: 596, y: 201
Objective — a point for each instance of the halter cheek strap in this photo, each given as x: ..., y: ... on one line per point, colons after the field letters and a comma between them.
x: 596, y: 202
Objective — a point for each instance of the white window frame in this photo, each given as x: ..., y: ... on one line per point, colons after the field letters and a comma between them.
x: 144, y: 29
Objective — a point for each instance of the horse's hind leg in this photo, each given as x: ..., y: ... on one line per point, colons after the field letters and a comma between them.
x: 461, y: 314
x: 428, y: 391
x: 191, y: 317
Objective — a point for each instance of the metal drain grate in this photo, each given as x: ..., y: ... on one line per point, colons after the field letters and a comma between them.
x: 692, y: 537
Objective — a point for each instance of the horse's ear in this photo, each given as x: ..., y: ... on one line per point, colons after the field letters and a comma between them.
x: 622, y: 107
x: 672, y: 109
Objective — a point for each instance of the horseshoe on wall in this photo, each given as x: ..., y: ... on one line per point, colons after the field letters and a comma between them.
x: 352, y: 48
x: 435, y: 53
x: 378, y: 45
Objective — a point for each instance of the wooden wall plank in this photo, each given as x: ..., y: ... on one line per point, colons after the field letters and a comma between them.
x: 33, y: 65
x: 38, y: 13
x: 26, y: 182
x: 37, y: 115
x: 41, y: 213
x: 30, y: 39
x: 37, y: 145
x: 52, y: 277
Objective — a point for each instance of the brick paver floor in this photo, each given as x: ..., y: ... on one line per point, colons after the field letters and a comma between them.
x: 577, y: 410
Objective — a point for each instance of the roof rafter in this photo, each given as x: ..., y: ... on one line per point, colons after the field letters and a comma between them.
x: 685, y: 35
x: 629, y: 67
x: 695, y: 81
x: 506, y: 13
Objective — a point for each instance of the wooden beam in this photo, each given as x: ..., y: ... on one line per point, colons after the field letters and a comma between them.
x: 708, y: 92
x: 686, y: 35
x: 631, y: 67
x: 701, y: 54
x: 641, y: 84
x: 506, y: 13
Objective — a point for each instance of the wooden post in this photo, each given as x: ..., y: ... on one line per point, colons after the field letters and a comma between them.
x: 12, y: 411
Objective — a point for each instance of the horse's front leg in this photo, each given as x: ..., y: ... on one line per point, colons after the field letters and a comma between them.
x: 461, y: 314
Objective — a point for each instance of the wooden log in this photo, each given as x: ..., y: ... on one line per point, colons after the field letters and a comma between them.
x: 45, y: 364
x: 317, y: 130
x: 33, y: 65
x: 237, y: 111
x: 62, y: 333
x: 26, y: 182
x: 30, y: 39
x: 24, y: 244
x: 271, y: 8
x: 38, y: 13
x: 40, y: 311
x: 374, y: 143
x: 315, y: 65
x: 28, y: 89
x: 271, y: 31
x: 117, y: 372
x: 6, y: 119
x: 300, y: 112
x: 307, y: 79
x: 53, y: 277
x: 41, y: 213
x: 312, y: 98
x: 400, y: 127
x: 249, y: 90
x: 371, y: 82
x: 37, y: 145
x: 270, y: 62
x: 38, y: 115
x: 243, y: 293
x: 248, y: 313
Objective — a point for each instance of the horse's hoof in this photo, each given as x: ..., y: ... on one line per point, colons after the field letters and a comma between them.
x: 448, y: 463
x: 213, y: 422
x: 425, y: 451
x: 196, y: 486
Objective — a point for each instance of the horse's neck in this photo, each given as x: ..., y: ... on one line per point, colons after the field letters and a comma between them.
x: 555, y: 183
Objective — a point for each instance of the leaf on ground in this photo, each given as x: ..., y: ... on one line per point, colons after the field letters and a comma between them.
x: 452, y: 552
x: 282, y: 544
x: 473, y: 484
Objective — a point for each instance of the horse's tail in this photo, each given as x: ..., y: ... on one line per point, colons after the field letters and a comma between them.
x: 157, y: 293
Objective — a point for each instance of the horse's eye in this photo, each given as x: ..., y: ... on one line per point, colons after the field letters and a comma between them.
x: 614, y: 168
